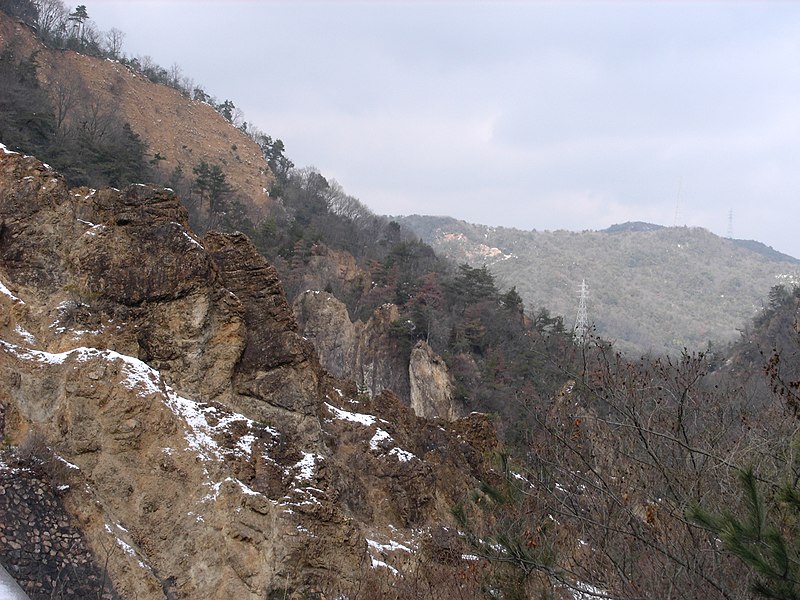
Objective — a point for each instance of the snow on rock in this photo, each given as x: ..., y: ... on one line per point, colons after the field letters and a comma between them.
x: 305, y: 467
x: 378, y: 439
x: 193, y: 241
x: 4, y: 290
x: 25, y: 334
x: 402, y: 455
x: 215, y: 488
x: 392, y: 546
x: 201, y: 432
x: 381, y: 439
x: 94, y: 230
x: 138, y: 377
x: 361, y: 418
x: 67, y: 463
x: 378, y: 553
x: 379, y: 563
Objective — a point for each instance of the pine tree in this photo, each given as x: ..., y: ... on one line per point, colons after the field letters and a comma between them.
x: 79, y: 17
x: 765, y: 537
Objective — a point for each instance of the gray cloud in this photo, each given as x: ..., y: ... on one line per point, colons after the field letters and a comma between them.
x: 530, y: 114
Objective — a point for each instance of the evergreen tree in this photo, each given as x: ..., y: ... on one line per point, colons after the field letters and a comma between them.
x: 78, y: 17
x: 765, y: 537
x: 214, y: 189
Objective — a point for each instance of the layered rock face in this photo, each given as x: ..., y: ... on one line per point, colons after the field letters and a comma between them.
x: 431, y: 390
x: 209, y: 454
x: 368, y: 354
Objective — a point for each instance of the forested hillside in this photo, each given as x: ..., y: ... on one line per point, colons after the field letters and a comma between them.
x: 652, y: 289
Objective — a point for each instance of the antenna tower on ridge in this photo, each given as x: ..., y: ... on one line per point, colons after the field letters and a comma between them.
x: 582, y: 321
x: 730, y: 224
x: 677, y: 202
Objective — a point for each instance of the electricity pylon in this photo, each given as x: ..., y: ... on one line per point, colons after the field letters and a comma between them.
x: 582, y: 321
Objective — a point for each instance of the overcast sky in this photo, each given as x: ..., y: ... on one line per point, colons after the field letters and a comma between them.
x: 535, y: 115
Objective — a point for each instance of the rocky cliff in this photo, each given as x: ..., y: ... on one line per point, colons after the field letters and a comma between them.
x: 369, y: 354
x: 191, y: 437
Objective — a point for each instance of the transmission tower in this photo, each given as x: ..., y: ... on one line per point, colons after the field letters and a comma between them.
x: 582, y: 321
x: 677, y: 203
x: 730, y: 224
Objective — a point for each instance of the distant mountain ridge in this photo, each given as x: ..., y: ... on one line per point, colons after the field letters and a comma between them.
x: 632, y: 226
x: 766, y: 251
x: 652, y: 288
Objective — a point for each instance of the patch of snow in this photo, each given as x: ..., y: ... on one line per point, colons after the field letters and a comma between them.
x: 379, y: 563
x: 245, y: 443
x: 5, y: 150
x: 66, y: 462
x: 197, y: 436
x: 37, y: 355
x: 94, y: 230
x: 194, y: 241
x: 305, y: 466
x: 379, y: 440
x: 350, y: 416
x: 214, y: 494
x: 305, y: 498
x: 25, y: 334
x: 125, y: 547
x: 392, y: 546
x: 7, y: 292
x: 248, y: 491
x: 584, y: 591
x: 379, y: 437
x: 402, y: 455
x: 520, y: 477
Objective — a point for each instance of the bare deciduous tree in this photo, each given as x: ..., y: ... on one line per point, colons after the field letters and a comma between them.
x: 114, y: 39
x: 52, y: 19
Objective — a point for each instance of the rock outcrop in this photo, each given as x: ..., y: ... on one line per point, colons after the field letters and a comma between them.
x: 362, y: 352
x: 210, y: 454
x: 368, y: 354
x: 431, y: 389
